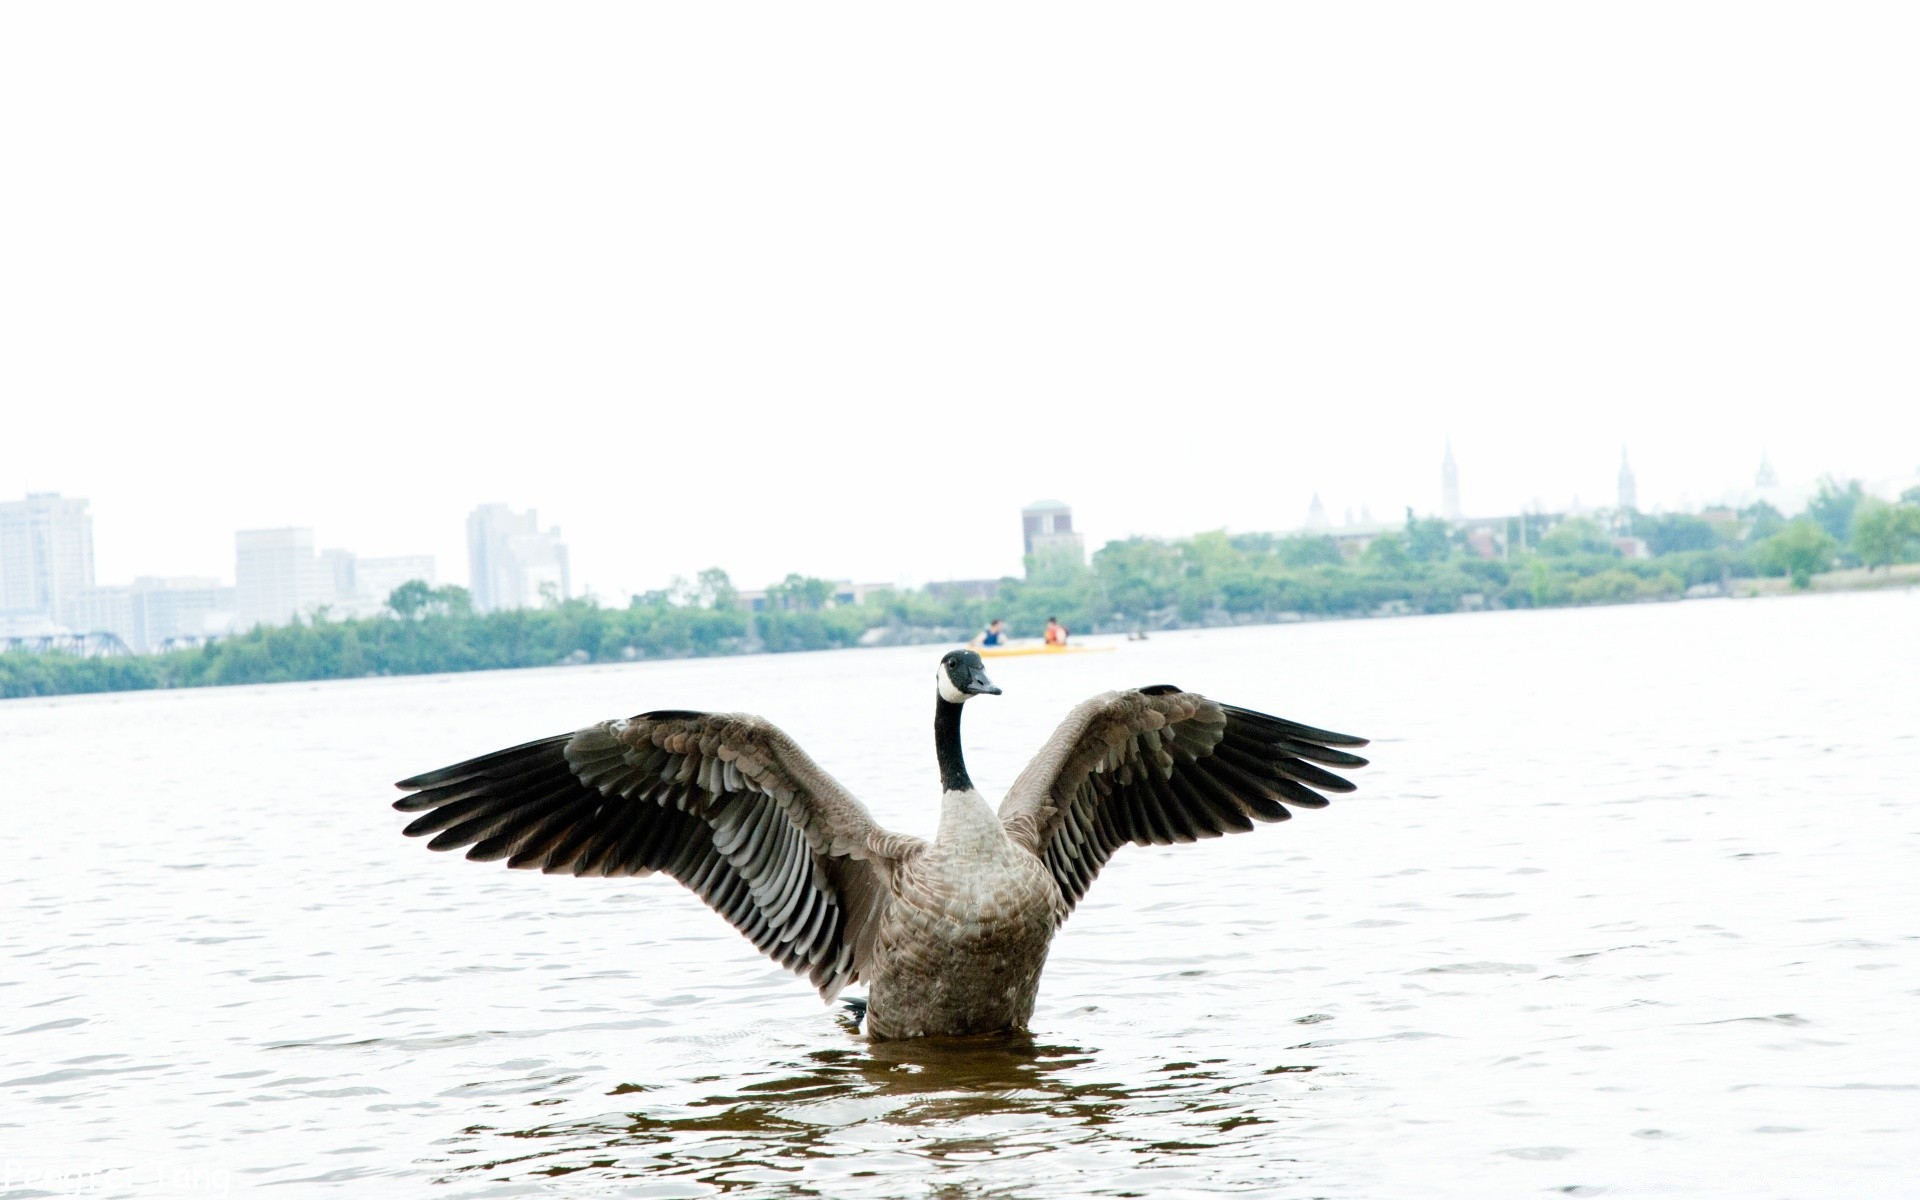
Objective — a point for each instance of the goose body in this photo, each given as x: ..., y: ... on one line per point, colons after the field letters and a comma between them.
x: 949, y: 936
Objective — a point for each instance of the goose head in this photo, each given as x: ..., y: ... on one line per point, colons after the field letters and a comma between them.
x: 963, y: 676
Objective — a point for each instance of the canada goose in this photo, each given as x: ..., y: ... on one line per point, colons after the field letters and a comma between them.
x: 949, y: 935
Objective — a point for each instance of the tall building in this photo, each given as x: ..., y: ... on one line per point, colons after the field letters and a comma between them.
x: 359, y: 587
x: 511, y: 562
x: 1046, y: 529
x: 46, y: 554
x: 336, y: 575
x: 375, y: 578
x: 179, y: 610
x: 152, y: 614
x: 1317, y: 516
x: 277, y: 577
x: 1629, y: 490
x: 1764, y: 477
x: 1449, y: 486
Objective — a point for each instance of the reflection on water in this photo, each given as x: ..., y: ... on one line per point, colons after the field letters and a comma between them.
x: 1624, y: 907
x: 956, y: 1100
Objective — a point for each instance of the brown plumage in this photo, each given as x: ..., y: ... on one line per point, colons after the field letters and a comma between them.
x: 949, y: 935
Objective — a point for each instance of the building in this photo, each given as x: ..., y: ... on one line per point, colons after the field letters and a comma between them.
x: 1765, y: 476
x: 1487, y: 542
x: 359, y: 587
x: 963, y: 589
x: 1449, y: 486
x: 511, y: 562
x: 839, y: 593
x: 336, y: 575
x: 1046, y: 528
x: 1629, y: 497
x: 46, y: 554
x: 374, y: 579
x: 153, y: 614
x: 277, y: 577
x: 102, y: 610
x: 181, y: 611
x: 1317, y: 516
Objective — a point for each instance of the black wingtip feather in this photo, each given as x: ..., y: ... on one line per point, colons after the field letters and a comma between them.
x: 1293, y: 729
x: 482, y: 764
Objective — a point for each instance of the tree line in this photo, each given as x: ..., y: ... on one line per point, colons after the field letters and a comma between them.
x: 1427, y: 566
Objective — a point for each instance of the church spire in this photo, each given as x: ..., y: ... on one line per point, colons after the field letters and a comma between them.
x: 1449, y: 486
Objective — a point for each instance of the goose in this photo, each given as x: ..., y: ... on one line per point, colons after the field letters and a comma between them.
x: 948, y: 935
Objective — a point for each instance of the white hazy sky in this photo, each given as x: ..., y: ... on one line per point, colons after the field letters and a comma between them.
x: 838, y: 288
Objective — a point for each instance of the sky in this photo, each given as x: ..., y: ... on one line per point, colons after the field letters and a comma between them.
x: 838, y: 288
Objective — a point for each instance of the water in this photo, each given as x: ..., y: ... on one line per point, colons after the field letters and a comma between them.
x: 1625, y: 907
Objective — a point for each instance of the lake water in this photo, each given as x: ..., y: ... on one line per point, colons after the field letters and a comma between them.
x: 1627, y: 906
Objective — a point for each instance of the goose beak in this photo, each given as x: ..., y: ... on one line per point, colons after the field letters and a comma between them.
x: 979, y: 685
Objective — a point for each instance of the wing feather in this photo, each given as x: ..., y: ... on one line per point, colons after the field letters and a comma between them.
x: 724, y: 803
x: 1157, y: 765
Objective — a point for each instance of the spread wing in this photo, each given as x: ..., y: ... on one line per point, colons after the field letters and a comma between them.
x: 1159, y: 765
x: 723, y: 802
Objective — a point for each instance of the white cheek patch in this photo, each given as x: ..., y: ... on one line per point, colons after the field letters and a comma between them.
x: 948, y: 692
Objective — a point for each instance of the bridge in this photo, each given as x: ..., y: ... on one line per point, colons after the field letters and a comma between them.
x: 80, y: 645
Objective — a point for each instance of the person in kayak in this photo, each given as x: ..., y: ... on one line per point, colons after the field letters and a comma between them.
x: 994, y: 635
x: 1056, y: 632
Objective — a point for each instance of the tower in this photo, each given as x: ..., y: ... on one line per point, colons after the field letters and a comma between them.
x: 511, y: 561
x: 1317, y: 516
x: 1449, y: 486
x: 1629, y: 490
x: 1046, y: 529
x: 1764, y: 477
x: 46, y: 553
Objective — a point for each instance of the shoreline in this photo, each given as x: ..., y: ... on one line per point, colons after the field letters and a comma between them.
x: 1904, y: 577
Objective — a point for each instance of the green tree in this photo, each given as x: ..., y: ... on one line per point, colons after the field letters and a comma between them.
x: 1884, y: 534
x: 713, y: 589
x: 1307, y: 550
x: 1802, y: 550
x: 1832, y: 508
x: 1576, y: 535
x: 1388, y: 552
x: 1763, y: 520
x: 1675, y: 533
x: 452, y: 600
x: 1428, y: 540
x: 800, y: 593
x: 1141, y: 576
x: 409, y: 599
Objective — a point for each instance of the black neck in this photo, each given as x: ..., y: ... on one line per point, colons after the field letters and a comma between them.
x: 946, y: 743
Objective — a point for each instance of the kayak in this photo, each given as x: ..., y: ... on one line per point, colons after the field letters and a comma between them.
x: 1027, y: 651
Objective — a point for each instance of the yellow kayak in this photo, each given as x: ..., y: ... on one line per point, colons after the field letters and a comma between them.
x: 1027, y: 651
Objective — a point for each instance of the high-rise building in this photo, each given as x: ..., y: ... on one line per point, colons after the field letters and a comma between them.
x: 179, y: 610
x: 277, y: 577
x: 1046, y: 528
x: 1765, y: 477
x: 152, y: 614
x: 1449, y: 486
x: 1629, y: 490
x: 354, y: 586
x: 511, y: 562
x: 336, y: 575
x: 46, y: 554
x: 375, y: 578
x: 1317, y: 516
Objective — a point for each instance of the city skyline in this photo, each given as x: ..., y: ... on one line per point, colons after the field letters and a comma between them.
x: 280, y: 574
x: 805, y: 349
x: 975, y: 552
